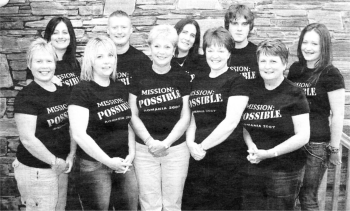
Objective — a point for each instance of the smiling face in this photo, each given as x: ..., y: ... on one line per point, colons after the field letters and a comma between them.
x: 239, y: 29
x: 60, y: 38
x: 42, y: 65
x: 162, y: 51
x: 119, y: 30
x: 311, y: 48
x: 104, y: 63
x: 271, y: 67
x: 186, y: 38
x: 217, y: 57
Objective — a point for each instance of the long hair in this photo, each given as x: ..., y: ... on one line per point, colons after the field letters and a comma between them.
x: 325, y: 58
x: 179, y: 26
x: 90, y: 56
x: 69, y: 55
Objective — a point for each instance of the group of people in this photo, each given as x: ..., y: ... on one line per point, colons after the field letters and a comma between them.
x: 180, y: 131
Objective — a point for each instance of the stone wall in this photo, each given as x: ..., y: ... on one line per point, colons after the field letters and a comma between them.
x: 23, y: 20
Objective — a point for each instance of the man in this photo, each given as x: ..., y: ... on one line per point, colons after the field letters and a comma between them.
x: 130, y: 60
x: 239, y: 20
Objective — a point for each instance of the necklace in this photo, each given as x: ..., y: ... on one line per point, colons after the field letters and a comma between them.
x: 180, y: 63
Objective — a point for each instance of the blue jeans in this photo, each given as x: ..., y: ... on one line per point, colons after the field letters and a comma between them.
x: 315, y: 168
x: 100, y: 186
x: 266, y: 189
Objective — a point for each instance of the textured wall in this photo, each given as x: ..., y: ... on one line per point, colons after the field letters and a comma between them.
x: 22, y: 20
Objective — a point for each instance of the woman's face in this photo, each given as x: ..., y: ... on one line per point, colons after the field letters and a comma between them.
x: 162, y: 51
x: 104, y: 63
x: 43, y: 65
x: 271, y: 67
x: 60, y: 38
x: 186, y: 38
x: 311, y: 47
x: 217, y: 57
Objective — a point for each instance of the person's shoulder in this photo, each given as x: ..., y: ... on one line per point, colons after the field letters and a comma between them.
x: 136, y: 52
x: 292, y: 87
x: 252, y: 46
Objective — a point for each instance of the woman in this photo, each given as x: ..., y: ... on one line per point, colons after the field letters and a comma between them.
x: 217, y: 102
x: 276, y: 126
x: 324, y: 88
x: 45, y: 154
x: 60, y: 33
x: 160, y: 116
x: 186, y: 57
x: 99, y: 116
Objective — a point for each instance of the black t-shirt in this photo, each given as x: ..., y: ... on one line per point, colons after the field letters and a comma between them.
x: 330, y: 80
x: 244, y: 61
x: 64, y: 71
x: 208, y: 102
x: 129, y: 63
x: 268, y: 119
x: 109, y: 116
x: 194, y: 67
x: 52, y: 124
x: 160, y: 101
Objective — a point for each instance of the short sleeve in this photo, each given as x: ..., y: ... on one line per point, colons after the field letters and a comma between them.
x: 333, y: 80
x: 25, y: 103
x: 300, y: 105
x: 239, y: 86
x: 80, y: 95
x: 292, y: 71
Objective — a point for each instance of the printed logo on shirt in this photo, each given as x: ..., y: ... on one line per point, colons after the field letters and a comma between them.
x: 116, y: 106
x: 163, y: 95
x: 244, y: 71
x: 205, y: 97
x: 56, y: 120
x: 123, y: 77
x: 308, y: 89
x: 261, y: 112
x: 70, y: 79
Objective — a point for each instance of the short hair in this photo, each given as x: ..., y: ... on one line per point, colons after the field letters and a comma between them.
x: 235, y: 11
x: 273, y: 48
x: 90, y: 56
x: 325, y: 48
x: 69, y: 55
x: 164, y: 31
x: 218, y: 36
x: 36, y: 45
x: 179, y: 26
x: 119, y: 13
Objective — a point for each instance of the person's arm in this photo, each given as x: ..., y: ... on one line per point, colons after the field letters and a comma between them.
x: 136, y: 123
x: 26, y: 125
x: 235, y: 108
x: 71, y: 155
x: 196, y: 151
x: 299, y: 139
x: 336, y: 101
x: 79, y: 118
x: 132, y: 146
x: 177, y: 131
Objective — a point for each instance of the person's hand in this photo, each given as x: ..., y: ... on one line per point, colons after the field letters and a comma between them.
x: 157, y: 147
x: 69, y: 162
x: 60, y: 166
x: 129, y: 158
x: 118, y: 165
x: 335, y: 158
x: 56, y: 81
x: 256, y: 155
x: 196, y: 151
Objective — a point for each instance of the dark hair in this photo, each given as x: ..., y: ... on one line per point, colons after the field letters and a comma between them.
x: 325, y: 47
x: 273, y: 48
x: 218, y: 36
x: 179, y: 26
x: 235, y: 11
x: 69, y: 55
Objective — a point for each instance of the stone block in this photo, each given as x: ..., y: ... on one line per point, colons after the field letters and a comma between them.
x: 289, y: 22
x: 96, y: 21
x: 5, y: 76
x: 20, y: 18
x: 37, y: 24
x: 11, y: 203
x: 79, y: 33
x: 9, y: 10
x: 4, y: 169
x: 347, y: 112
x: 144, y: 21
x: 157, y: 7
x: 139, y: 12
x: 347, y: 98
x: 25, y: 11
x: 17, y: 1
x: 166, y: 1
x: 343, y: 66
x: 212, y: 13
x: 290, y: 13
x: 127, y: 6
x: 11, y: 25
x: 44, y: 11
x: 144, y: 28
x: 17, y: 56
x: 18, y: 65
x: 91, y: 10
x: 3, y: 107
x: 338, y: 6
x: 138, y: 39
x: 49, y: 6
x: 332, y: 20
x: 26, y: 7
x: 10, y: 115
x: 22, y: 32
x: 3, y: 146
x: 146, y: 2
x: 262, y: 22
x: 8, y: 186
x: 170, y: 16
x: 193, y: 4
x: 7, y: 93
x: 19, y: 75
x: 12, y: 144
x: 8, y: 127
x: 170, y: 21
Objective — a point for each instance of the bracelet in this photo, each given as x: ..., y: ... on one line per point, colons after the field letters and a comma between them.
x: 332, y: 150
x: 147, y: 139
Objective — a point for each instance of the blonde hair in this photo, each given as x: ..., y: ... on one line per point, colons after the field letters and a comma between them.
x: 164, y: 31
x: 39, y: 44
x: 90, y: 56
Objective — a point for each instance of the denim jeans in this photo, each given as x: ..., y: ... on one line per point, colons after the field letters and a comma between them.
x: 315, y: 168
x: 266, y: 189
x: 161, y: 179
x: 41, y: 189
x: 100, y: 186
